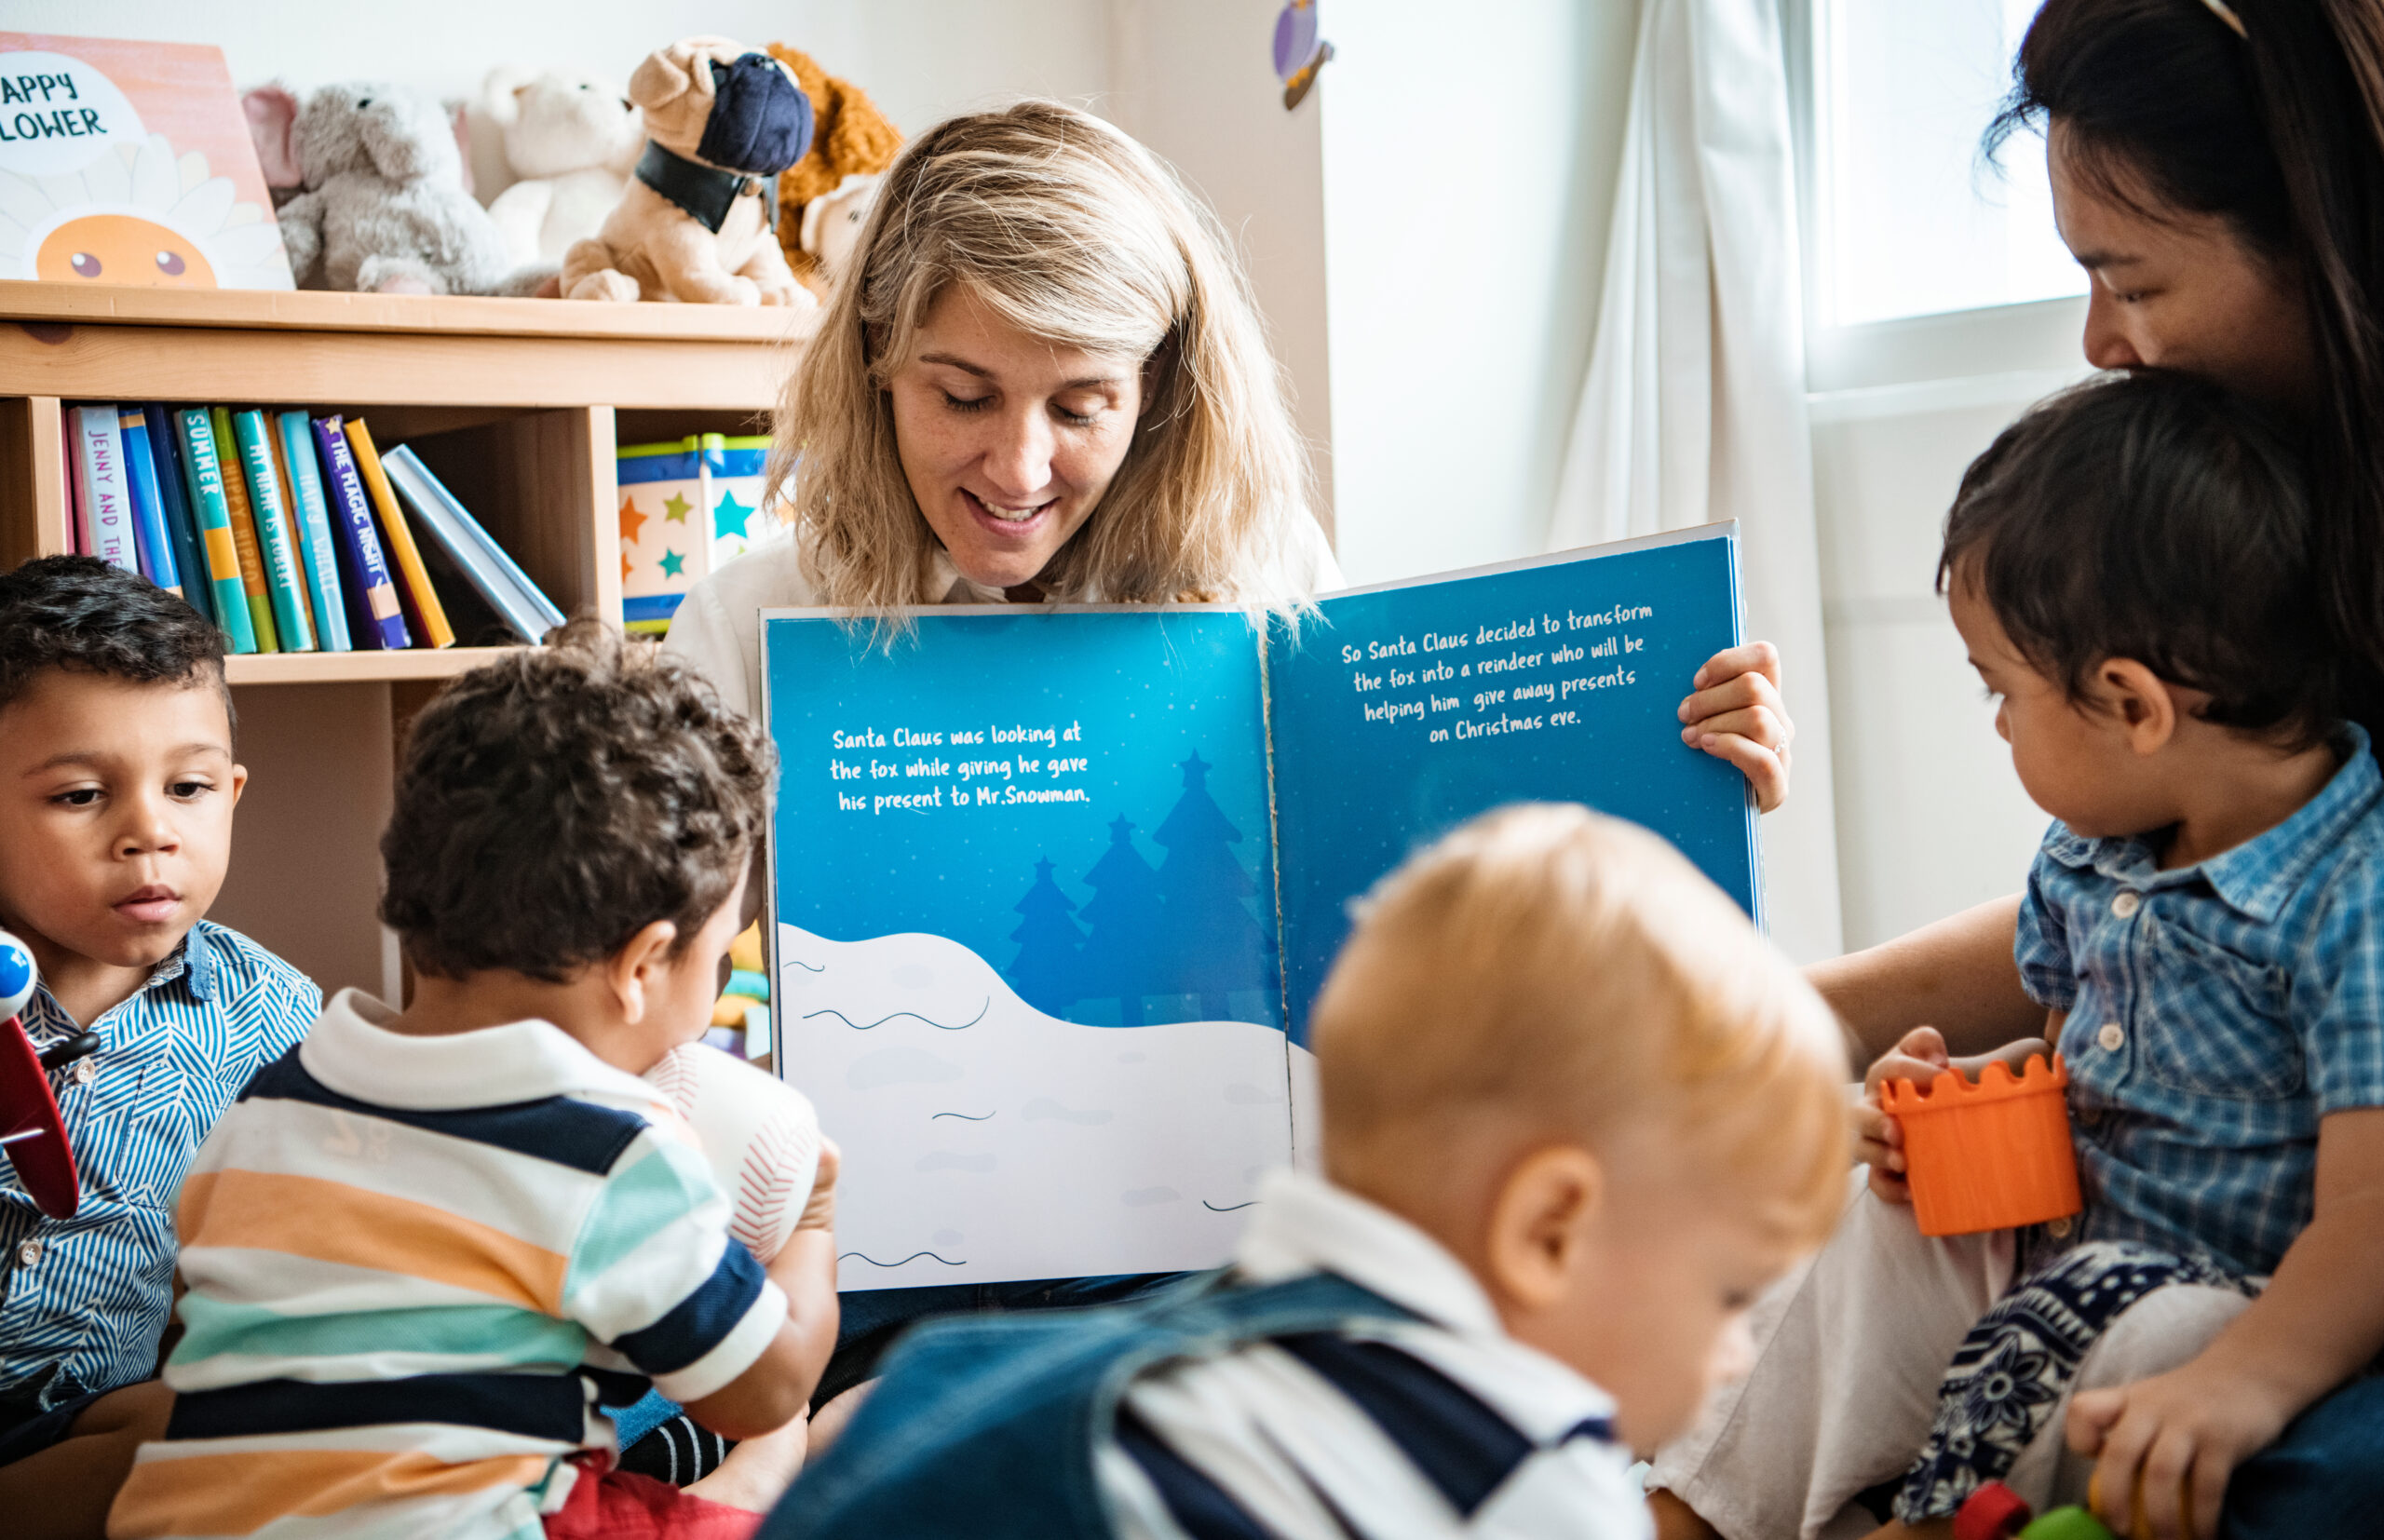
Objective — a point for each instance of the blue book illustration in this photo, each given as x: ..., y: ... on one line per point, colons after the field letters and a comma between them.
x: 181, y: 526
x: 149, y: 533
x: 1047, y: 932
x: 320, y: 551
x: 518, y: 601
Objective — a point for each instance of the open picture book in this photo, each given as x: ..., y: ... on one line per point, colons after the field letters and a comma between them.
x: 1054, y: 886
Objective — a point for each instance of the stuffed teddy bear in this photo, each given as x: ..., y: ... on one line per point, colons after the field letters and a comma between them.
x: 831, y: 226
x: 695, y: 223
x: 849, y: 137
x: 385, y: 207
x: 569, y: 144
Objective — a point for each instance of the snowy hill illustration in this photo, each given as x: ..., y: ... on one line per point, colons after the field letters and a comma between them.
x: 984, y: 1140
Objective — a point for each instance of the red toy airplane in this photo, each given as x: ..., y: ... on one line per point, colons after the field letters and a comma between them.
x: 29, y: 1127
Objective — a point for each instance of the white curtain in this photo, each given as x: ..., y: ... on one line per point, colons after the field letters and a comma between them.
x: 1694, y: 406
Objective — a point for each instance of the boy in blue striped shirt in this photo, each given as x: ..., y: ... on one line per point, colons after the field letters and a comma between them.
x: 117, y: 788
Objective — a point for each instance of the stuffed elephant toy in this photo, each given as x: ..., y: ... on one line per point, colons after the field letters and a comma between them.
x: 385, y: 209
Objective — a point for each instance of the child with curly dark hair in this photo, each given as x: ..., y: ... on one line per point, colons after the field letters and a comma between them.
x: 117, y: 782
x: 426, y: 1242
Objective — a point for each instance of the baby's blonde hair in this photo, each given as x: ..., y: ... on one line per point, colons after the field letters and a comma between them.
x: 1560, y: 971
x: 1071, y: 232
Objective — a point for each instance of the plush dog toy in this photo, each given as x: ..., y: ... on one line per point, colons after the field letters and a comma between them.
x: 695, y: 223
x: 385, y: 207
x: 850, y: 138
x: 831, y: 226
x: 570, y: 142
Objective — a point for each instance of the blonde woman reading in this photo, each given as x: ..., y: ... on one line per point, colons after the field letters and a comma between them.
x: 1045, y: 378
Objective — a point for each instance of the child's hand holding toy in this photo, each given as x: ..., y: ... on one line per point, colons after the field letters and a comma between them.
x: 2174, y: 1439
x: 1920, y: 1057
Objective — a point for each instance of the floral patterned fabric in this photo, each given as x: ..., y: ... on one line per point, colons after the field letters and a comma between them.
x: 2019, y: 1361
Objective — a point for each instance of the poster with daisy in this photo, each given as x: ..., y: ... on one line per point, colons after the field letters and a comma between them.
x: 126, y: 162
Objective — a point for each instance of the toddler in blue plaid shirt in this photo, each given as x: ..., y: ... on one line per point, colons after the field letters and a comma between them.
x: 2131, y: 567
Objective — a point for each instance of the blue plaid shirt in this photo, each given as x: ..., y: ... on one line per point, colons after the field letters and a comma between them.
x: 84, y: 1301
x: 2216, y: 1013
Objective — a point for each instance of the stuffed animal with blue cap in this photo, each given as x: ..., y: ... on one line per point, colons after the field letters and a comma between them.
x: 698, y: 220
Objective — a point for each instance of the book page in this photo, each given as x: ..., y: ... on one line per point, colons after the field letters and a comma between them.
x: 1412, y: 708
x: 1026, y: 960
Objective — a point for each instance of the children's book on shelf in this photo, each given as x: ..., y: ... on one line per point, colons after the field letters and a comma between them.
x: 1046, y: 934
x: 244, y: 542
x: 288, y: 531
x: 74, y: 493
x: 125, y: 162
x: 173, y: 498
x: 497, y: 578
x: 425, y: 615
x: 285, y: 580
x: 374, y: 617
x: 203, y: 481
x: 687, y: 508
x: 102, y: 491
x: 293, y: 445
x: 150, y: 535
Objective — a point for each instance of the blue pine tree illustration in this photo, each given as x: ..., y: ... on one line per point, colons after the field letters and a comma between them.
x: 1049, y: 967
x: 1126, y: 921
x: 1214, y: 944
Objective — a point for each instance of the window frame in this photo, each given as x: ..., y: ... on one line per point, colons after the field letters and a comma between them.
x: 2035, y: 339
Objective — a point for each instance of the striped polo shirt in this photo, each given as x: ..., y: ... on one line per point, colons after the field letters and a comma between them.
x: 413, y: 1265
x: 1443, y: 1425
x: 83, y: 1300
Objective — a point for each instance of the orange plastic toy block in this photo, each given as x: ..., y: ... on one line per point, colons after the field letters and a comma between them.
x: 1988, y: 1154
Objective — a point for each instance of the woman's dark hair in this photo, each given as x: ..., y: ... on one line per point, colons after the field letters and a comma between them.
x: 2157, y: 517
x: 556, y: 802
x: 2279, y: 131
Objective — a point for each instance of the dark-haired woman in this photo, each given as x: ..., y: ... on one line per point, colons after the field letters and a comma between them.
x: 2217, y: 168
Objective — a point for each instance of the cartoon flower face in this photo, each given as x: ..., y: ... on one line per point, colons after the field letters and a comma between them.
x: 122, y: 248
x: 138, y: 214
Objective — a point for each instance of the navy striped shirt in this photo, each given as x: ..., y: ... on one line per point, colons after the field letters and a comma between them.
x: 84, y: 1301
x: 1443, y: 1425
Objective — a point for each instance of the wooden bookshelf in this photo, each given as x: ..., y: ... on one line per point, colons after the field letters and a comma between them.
x: 518, y: 405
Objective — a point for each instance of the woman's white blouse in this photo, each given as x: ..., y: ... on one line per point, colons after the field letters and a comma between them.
x: 718, y: 626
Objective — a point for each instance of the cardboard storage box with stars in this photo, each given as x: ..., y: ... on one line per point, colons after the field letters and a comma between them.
x: 687, y: 508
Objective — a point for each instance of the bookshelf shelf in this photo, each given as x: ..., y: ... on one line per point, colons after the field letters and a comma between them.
x: 517, y: 405
x: 414, y: 662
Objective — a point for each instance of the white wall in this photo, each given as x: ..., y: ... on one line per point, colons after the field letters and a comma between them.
x: 1469, y: 170
x: 1930, y: 816
x: 1197, y: 84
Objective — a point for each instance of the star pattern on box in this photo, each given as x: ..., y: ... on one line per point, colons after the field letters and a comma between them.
x: 632, y: 520
x: 677, y: 508
x: 729, y: 517
x: 674, y: 564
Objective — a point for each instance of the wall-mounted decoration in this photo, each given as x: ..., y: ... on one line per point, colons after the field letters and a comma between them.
x: 1298, y: 51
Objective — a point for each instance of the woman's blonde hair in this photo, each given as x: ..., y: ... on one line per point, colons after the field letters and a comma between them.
x: 1558, y: 972
x: 1070, y: 231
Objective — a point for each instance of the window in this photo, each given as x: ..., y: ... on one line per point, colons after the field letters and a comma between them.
x: 1908, y: 220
